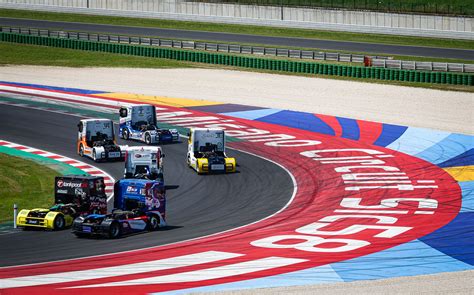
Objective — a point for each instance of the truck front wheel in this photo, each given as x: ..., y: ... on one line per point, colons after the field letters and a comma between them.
x: 125, y: 134
x: 147, y: 138
x: 59, y: 222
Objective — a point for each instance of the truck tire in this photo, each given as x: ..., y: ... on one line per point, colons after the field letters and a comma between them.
x: 81, y: 150
x: 147, y: 138
x: 94, y: 156
x: 114, y: 230
x: 153, y: 223
x: 125, y: 134
x: 59, y: 222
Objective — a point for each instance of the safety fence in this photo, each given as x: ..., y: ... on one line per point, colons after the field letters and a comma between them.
x: 376, y: 61
x: 423, y: 65
x: 217, y: 47
x: 303, y: 67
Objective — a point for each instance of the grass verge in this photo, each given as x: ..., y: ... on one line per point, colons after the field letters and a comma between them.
x: 16, y: 54
x: 25, y: 183
x: 240, y: 29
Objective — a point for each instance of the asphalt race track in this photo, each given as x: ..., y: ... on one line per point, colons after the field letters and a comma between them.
x: 196, y: 205
x: 245, y: 39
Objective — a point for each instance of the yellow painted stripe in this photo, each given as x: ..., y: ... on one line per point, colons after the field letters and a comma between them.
x: 162, y: 100
x: 461, y: 173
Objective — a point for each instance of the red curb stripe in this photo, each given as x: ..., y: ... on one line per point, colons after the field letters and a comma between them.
x: 332, y: 122
x: 369, y: 131
x: 95, y: 172
x: 55, y: 157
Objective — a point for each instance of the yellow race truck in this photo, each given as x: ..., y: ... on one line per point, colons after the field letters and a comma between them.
x: 206, y: 151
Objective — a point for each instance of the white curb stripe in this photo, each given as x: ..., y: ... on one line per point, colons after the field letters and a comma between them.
x: 30, y: 150
x: 121, y: 270
x: 210, y: 273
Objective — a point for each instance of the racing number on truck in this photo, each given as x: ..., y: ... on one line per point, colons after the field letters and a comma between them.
x: 307, y: 240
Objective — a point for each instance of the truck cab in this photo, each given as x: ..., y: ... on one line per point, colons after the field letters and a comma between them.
x: 206, y: 151
x: 138, y: 122
x: 145, y: 162
x: 146, y: 196
x: 96, y: 140
x: 74, y: 195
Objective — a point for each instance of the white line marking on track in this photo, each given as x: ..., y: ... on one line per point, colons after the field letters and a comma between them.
x: 120, y: 270
x: 209, y: 273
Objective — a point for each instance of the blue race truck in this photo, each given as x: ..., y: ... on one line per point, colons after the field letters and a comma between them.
x: 140, y: 205
x: 138, y: 122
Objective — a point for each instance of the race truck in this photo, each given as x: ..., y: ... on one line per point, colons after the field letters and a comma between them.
x: 206, y: 151
x: 140, y: 205
x: 144, y: 162
x: 96, y: 140
x: 138, y: 122
x: 74, y: 196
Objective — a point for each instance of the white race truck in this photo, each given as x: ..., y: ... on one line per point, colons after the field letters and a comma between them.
x: 144, y: 162
x: 206, y: 151
x: 138, y: 122
x: 96, y: 140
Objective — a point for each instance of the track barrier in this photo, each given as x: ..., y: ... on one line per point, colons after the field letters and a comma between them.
x: 245, y: 61
x: 15, y: 214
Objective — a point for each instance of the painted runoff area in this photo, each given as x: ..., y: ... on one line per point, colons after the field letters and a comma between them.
x: 372, y: 199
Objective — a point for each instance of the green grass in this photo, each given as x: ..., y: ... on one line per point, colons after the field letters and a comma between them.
x: 241, y: 29
x: 25, y: 183
x: 15, y: 54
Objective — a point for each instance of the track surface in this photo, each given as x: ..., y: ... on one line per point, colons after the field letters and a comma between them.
x: 196, y: 205
x: 241, y: 38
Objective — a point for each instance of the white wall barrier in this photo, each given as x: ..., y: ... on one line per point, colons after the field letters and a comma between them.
x: 313, y: 18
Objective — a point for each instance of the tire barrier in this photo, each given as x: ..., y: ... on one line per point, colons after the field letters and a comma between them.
x: 311, y: 68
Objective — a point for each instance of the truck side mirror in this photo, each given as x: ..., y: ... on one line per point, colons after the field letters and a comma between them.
x: 79, y: 127
x: 123, y: 112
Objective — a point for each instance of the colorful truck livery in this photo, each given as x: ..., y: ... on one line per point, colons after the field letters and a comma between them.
x: 96, y: 140
x: 140, y: 205
x: 144, y: 162
x: 138, y: 122
x: 74, y: 196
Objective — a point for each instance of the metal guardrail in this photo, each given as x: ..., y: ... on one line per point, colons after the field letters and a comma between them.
x: 376, y: 61
x: 216, y: 47
x: 423, y: 66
